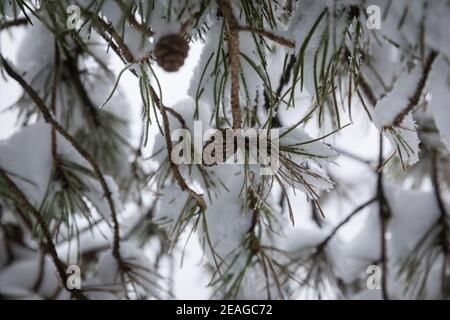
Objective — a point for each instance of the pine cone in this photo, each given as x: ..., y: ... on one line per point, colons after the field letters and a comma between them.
x: 171, y: 51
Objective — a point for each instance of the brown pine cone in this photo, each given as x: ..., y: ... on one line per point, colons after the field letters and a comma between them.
x: 171, y: 51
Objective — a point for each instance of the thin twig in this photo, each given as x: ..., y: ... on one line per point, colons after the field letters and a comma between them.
x: 346, y: 220
x: 269, y: 35
x: 132, y: 20
x: 13, y: 23
x: 176, y: 172
x: 414, y: 100
x: 384, y: 214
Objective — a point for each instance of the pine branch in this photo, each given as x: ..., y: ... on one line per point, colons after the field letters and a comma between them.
x: 132, y: 20
x: 353, y: 156
x: 233, y: 51
x: 49, y: 245
x: 90, y: 111
x: 103, y: 27
x: 83, y: 153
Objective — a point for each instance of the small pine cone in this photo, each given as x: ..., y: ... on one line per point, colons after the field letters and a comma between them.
x: 171, y: 51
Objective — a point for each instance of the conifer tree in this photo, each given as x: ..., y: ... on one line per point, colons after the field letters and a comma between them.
x: 94, y: 204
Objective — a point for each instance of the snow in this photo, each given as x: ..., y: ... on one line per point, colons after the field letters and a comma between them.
x: 437, y: 26
x: 226, y: 223
x: 21, y: 276
x: 186, y: 108
x: 171, y: 204
x: 363, y: 249
x: 302, y: 238
x: 414, y: 213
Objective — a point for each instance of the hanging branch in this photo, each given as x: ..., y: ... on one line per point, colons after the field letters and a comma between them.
x: 56, y: 77
x: 353, y: 156
x: 444, y: 220
x: 102, y: 27
x: 384, y: 207
x: 49, y: 245
x: 384, y: 214
x: 367, y: 90
x: 233, y: 51
x: 269, y: 35
x: 81, y: 151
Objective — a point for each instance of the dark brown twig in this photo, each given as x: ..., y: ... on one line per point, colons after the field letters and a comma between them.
x: 346, y: 220
x: 128, y: 56
x: 444, y: 220
x: 176, y: 172
x: 13, y: 23
x: 132, y: 20
x: 414, y: 100
x: 384, y: 214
